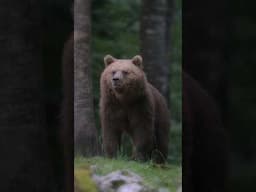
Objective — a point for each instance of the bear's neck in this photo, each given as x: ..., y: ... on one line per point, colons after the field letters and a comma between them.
x: 129, y: 97
x: 127, y: 100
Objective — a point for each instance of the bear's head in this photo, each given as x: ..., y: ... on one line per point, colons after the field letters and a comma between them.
x: 124, y: 76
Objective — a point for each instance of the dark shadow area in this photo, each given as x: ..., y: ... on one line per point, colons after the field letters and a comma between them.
x: 219, y: 53
x: 32, y: 38
x: 58, y: 82
x: 205, y: 150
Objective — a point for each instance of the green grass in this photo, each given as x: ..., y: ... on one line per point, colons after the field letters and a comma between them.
x: 168, y: 176
x: 175, y: 144
x: 83, y: 181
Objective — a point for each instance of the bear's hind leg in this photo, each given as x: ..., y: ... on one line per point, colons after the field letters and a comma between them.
x: 143, y: 141
x: 143, y: 149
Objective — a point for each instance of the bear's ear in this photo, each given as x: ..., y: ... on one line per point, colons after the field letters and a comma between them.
x: 138, y: 61
x: 108, y: 59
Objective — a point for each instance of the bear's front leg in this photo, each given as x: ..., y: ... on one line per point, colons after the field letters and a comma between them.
x: 143, y: 137
x: 113, y: 123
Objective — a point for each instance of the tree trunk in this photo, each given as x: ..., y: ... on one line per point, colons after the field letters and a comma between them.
x: 25, y: 160
x: 86, y: 142
x: 155, y: 23
x: 204, y: 49
x: 67, y: 133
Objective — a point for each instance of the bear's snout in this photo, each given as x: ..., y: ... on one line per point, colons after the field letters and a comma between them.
x: 116, y: 82
x: 116, y: 77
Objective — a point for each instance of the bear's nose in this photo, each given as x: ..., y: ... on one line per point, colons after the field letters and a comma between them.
x: 115, y: 78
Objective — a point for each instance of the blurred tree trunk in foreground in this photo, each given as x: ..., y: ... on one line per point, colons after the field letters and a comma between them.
x: 86, y: 142
x: 25, y: 160
x: 155, y: 39
x: 67, y: 137
x: 205, y: 60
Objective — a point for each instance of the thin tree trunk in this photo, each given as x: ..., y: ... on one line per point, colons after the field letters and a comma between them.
x: 169, y: 19
x: 25, y: 160
x: 86, y: 142
x: 155, y: 38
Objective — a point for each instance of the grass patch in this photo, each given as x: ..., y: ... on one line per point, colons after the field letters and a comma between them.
x: 175, y: 144
x: 168, y: 176
x: 83, y: 181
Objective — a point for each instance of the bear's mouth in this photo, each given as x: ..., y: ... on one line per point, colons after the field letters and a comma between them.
x: 117, y: 87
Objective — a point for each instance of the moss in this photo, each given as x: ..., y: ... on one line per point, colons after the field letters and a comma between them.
x: 83, y: 181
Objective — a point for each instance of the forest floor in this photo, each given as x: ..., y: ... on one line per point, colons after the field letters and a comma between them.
x: 167, y: 176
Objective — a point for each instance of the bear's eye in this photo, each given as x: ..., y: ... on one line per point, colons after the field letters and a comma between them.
x: 125, y: 72
x: 113, y: 72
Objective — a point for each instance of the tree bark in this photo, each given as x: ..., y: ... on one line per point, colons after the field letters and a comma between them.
x: 155, y: 23
x: 25, y: 161
x: 206, y: 61
x: 86, y: 142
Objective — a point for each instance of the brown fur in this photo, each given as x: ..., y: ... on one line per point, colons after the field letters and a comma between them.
x: 134, y: 106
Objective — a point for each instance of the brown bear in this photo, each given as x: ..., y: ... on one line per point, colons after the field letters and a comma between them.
x: 129, y: 103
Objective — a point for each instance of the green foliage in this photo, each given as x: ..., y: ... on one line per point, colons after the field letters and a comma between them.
x: 168, y: 176
x: 175, y: 145
x: 176, y: 60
